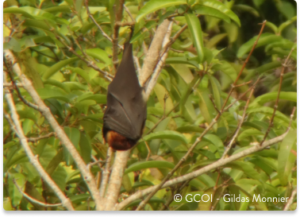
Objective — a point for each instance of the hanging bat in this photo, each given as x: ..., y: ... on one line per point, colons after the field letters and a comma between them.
x: 125, y: 115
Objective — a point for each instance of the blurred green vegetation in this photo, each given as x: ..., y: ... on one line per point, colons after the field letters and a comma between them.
x: 202, y: 63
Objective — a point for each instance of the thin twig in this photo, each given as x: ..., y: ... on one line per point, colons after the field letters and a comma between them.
x: 8, y: 66
x: 89, y: 63
x: 32, y: 139
x: 27, y: 196
x: 241, y: 121
x: 33, y: 158
x: 214, y: 104
x: 61, y: 135
x: 118, y: 17
x: 11, y: 85
x: 128, y: 12
x: 233, y: 86
x: 194, y: 174
x: 162, y: 118
x: 216, y: 164
x: 290, y: 201
x: 284, y: 66
x: 98, y: 26
x: 183, y: 159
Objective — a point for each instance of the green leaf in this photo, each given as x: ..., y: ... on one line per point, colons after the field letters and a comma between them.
x: 85, y: 148
x: 58, y: 9
x: 99, y: 98
x: 186, y: 93
x: 16, y: 158
x: 215, y: 40
x: 210, y: 11
x: 181, y: 60
x: 149, y: 164
x: 226, y: 68
x: 139, y: 34
x: 99, y: 54
x: 79, y: 198
x: 269, y: 111
x: 59, y: 177
x: 216, y: 89
x: 206, y: 106
x: 268, y: 97
x: 272, y: 26
x: 53, y: 69
x: 52, y: 93
x: 189, y: 129
x: 246, y: 167
x: 166, y: 134
x: 17, y: 10
x: 262, y: 69
x: 74, y: 136
x: 13, y: 44
x: 54, y: 162
x: 196, y: 33
x: 38, y: 24
x: 287, y: 156
x: 246, y: 8
x: 216, y: 141
x: 286, y: 24
x: 57, y: 84
x: 80, y: 72
x: 126, y: 183
x: 265, y: 39
x: 73, y: 85
x: 154, y: 5
x: 222, y: 8
x: 249, y: 133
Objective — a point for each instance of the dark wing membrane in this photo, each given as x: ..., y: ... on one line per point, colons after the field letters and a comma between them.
x: 124, y: 100
x: 115, y: 117
x: 124, y: 117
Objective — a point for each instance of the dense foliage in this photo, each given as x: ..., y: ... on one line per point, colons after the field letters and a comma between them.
x: 201, y: 65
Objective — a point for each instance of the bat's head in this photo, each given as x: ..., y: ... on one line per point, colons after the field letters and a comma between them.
x: 118, y: 142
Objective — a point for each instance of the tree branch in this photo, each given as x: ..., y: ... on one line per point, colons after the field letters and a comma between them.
x: 86, y: 174
x: 17, y: 128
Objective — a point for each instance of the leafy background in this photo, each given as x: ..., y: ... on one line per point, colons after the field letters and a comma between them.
x: 42, y: 33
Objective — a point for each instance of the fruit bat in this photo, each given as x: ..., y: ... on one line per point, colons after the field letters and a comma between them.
x: 125, y: 114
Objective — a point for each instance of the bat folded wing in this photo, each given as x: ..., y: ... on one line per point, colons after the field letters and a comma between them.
x: 124, y: 119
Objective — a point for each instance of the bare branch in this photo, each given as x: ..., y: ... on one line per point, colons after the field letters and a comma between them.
x: 118, y: 17
x: 219, y: 163
x: 98, y: 26
x: 27, y: 196
x: 284, y: 66
x: 89, y: 63
x: 115, y: 180
x: 161, y: 61
x: 33, y: 158
x: 290, y: 201
x: 86, y: 174
x: 153, y: 54
x: 41, y: 137
x: 244, y: 65
x: 144, y: 202
x: 8, y: 66
x: 130, y: 15
x: 241, y: 121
